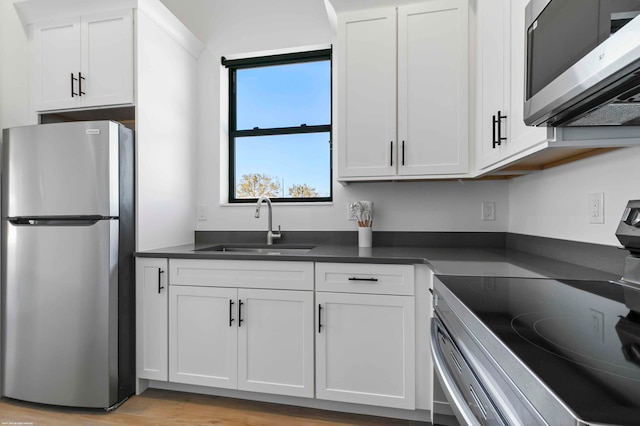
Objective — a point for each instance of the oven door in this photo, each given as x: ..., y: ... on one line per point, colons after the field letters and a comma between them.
x: 468, y: 398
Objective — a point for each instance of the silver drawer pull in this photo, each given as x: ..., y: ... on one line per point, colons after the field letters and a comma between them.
x: 483, y: 411
x: 362, y: 279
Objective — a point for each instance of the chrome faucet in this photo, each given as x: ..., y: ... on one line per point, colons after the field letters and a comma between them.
x: 270, y: 234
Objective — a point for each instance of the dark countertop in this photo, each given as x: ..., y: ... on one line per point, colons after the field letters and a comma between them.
x: 443, y: 261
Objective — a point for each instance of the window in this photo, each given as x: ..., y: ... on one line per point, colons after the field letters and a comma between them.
x: 280, y: 127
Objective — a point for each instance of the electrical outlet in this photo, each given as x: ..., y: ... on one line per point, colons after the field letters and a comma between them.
x: 350, y: 214
x: 596, y: 207
x: 202, y: 212
x: 488, y: 211
x: 489, y: 285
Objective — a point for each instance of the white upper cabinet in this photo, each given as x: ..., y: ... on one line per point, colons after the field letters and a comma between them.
x: 501, y: 131
x: 107, y: 58
x: 56, y: 56
x: 82, y: 61
x: 403, y: 91
x: 433, y: 88
x: 367, y: 93
x: 492, y: 80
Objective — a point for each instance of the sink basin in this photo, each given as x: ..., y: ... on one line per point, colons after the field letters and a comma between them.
x: 258, y: 249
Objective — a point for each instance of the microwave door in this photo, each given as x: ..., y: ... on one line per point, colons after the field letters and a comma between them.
x: 62, y: 169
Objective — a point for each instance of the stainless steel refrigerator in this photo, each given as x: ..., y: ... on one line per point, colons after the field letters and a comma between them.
x: 68, y: 295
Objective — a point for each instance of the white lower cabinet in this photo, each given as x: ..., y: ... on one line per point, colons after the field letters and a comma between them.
x: 251, y: 339
x: 275, y: 342
x: 365, y: 343
x: 259, y: 326
x: 202, y: 341
x: 152, y: 360
x: 246, y: 339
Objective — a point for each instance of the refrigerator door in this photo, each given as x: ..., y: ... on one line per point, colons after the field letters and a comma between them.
x: 62, y: 169
x: 60, y: 313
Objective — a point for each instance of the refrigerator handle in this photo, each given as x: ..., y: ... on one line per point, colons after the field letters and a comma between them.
x: 58, y: 221
x: 160, y: 287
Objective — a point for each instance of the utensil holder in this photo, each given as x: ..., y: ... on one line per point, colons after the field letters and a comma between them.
x: 365, y: 236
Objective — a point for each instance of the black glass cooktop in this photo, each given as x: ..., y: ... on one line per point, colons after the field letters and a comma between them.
x: 581, y: 338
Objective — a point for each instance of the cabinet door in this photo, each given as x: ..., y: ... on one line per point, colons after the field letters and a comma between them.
x: 367, y: 93
x: 522, y: 136
x: 203, y: 336
x: 365, y: 349
x: 152, y: 349
x: 493, y: 72
x: 433, y: 88
x: 107, y: 58
x: 55, y: 56
x: 275, y: 342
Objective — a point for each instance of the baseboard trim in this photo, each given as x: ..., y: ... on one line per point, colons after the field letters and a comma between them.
x: 394, y: 413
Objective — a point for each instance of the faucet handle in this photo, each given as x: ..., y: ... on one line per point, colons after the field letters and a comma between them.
x: 276, y: 235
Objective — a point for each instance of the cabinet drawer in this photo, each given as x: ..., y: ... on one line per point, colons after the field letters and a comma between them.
x: 241, y: 273
x: 365, y: 278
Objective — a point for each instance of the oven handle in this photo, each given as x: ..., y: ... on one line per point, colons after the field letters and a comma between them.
x: 460, y: 408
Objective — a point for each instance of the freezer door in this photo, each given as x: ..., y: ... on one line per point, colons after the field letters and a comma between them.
x: 62, y: 169
x: 60, y: 313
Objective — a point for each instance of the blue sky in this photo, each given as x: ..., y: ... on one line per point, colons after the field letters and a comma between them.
x: 285, y: 96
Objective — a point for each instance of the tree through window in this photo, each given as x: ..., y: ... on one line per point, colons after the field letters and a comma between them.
x: 280, y: 127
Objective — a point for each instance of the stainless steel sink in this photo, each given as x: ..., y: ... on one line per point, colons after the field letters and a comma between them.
x: 258, y: 249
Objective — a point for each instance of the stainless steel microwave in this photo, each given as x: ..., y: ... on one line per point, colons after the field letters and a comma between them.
x: 582, y: 63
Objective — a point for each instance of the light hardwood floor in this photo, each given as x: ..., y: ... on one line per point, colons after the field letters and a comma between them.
x: 158, y: 407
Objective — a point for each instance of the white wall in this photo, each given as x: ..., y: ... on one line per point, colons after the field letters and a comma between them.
x: 553, y: 203
x: 14, y: 99
x: 241, y: 26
